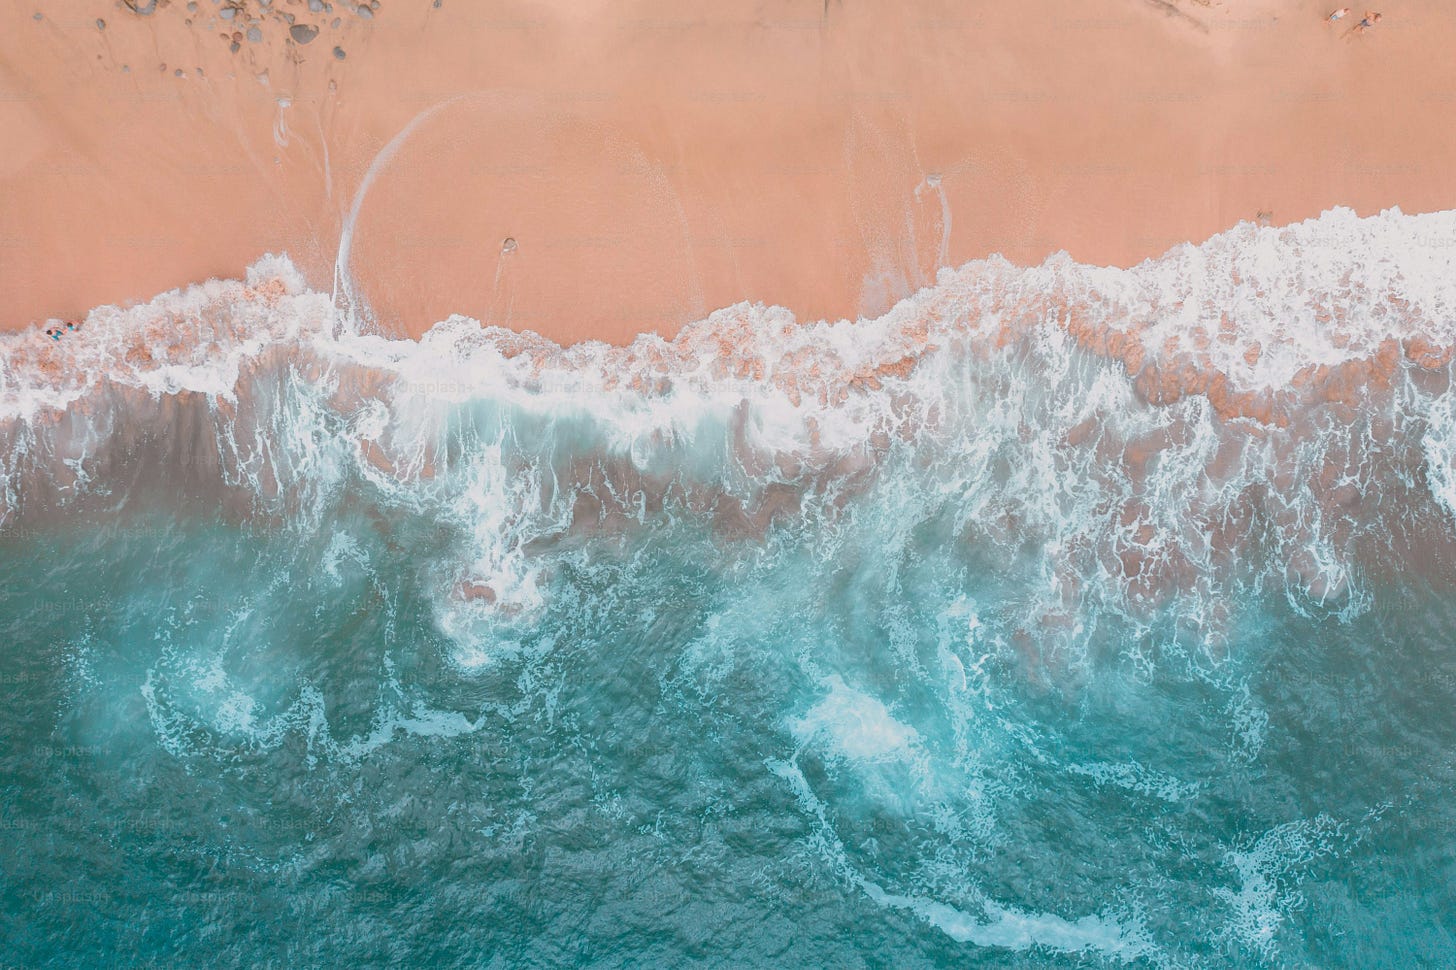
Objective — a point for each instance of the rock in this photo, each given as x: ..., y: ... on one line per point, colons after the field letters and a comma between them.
x: 303, y: 33
x: 339, y: 53
x: 255, y: 36
x: 100, y: 24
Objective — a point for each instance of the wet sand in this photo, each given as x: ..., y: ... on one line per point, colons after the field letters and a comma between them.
x: 654, y: 161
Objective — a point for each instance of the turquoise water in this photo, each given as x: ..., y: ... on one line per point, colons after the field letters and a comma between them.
x: 927, y: 641
x: 230, y: 745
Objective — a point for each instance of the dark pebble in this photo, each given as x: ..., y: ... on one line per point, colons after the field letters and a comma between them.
x: 303, y: 33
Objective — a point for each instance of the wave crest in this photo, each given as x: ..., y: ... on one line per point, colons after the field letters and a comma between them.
x: 1269, y: 407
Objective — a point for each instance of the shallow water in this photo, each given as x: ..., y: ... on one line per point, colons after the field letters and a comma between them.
x: 370, y: 651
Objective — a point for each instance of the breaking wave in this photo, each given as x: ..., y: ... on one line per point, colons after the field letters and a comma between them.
x: 865, y: 574
x: 1267, y: 409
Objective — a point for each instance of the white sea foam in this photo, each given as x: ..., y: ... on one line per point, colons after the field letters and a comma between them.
x: 1269, y: 871
x: 1004, y: 927
x: 1138, y: 779
x: 1268, y: 407
x: 854, y: 725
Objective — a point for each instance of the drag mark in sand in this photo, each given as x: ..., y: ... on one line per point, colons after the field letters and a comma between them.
x: 507, y: 248
x: 933, y: 181
x: 346, y: 234
x: 1173, y: 10
x: 280, y: 123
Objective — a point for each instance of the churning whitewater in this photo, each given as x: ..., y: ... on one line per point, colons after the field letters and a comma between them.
x: 1063, y: 615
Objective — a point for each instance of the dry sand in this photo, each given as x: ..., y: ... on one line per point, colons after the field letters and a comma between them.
x: 655, y: 160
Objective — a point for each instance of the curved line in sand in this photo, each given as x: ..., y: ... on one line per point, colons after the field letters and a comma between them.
x: 944, y: 258
x: 346, y: 233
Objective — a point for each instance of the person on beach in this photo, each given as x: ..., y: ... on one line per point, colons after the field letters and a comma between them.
x: 1340, y: 14
x: 1366, y: 22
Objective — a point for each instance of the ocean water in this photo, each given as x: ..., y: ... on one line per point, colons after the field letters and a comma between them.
x: 1062, y: 617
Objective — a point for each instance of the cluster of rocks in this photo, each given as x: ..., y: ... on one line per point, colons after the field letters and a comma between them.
x: 299, y: 22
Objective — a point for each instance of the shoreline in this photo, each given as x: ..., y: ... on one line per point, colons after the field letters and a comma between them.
x: 652, y: 164
x: 1262, y: 321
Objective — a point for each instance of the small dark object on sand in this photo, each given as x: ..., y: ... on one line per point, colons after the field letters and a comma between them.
x: 339, y: 53
x: 303, y: 33
x: 100, y: 24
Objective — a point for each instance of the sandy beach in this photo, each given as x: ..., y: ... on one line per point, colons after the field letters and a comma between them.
x: 591, y: 171
x: 378, y: 590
